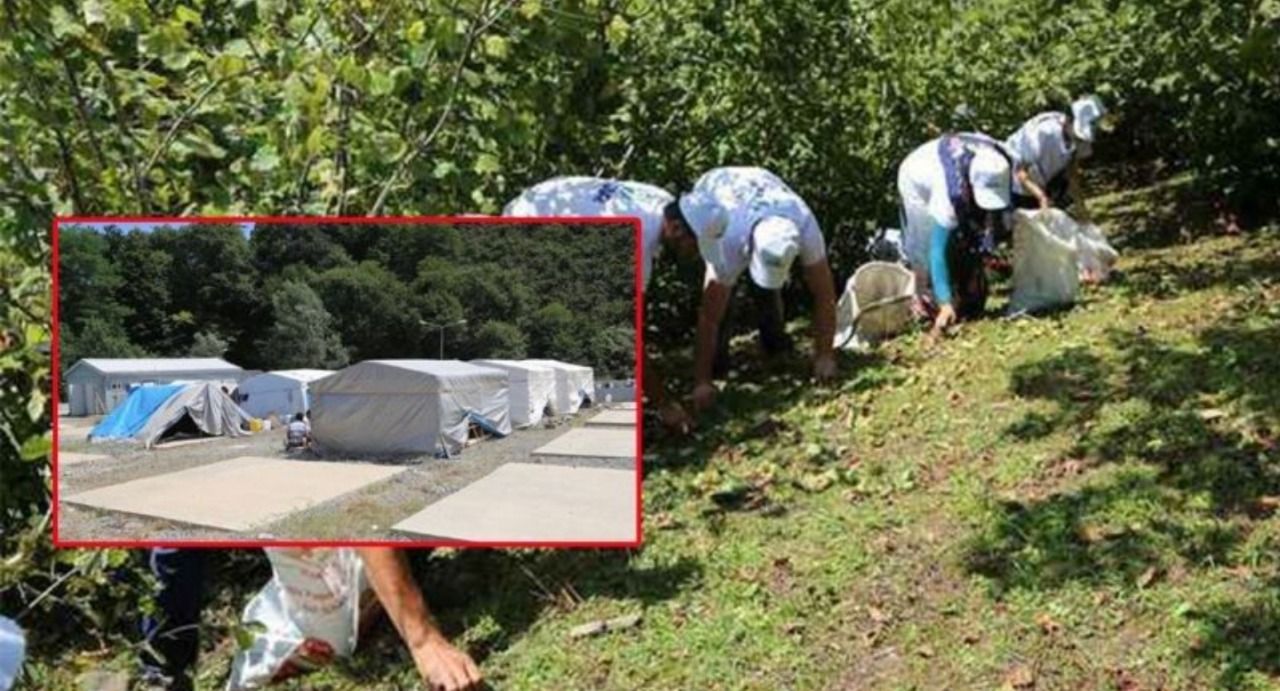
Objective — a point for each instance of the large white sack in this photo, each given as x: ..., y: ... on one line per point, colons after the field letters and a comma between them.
x: 307, y: 614
x: 876, y: 305
x: 1097, y: 256
x: 13, y: 646
x: 1045, y: 256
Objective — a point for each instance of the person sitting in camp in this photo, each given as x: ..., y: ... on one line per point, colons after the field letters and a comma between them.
x: 748, y: 219
x: 659, y: 216
x: 298, y: 433
x: 1050, y: 147
x: 954, y: 190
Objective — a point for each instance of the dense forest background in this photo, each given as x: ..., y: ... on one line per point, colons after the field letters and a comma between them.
x: 446, y: 106
x: 321, y: 296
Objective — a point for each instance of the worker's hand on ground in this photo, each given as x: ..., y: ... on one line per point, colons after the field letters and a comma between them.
x: 824, y: 367
x: 674, y: 417
x: 444, y: 667
x: 704, y: 396
x: 946, y: 317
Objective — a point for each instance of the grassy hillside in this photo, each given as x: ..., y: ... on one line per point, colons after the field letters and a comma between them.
x: 1080, y: 501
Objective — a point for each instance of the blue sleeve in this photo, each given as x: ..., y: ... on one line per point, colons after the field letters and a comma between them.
x: 939, y: 275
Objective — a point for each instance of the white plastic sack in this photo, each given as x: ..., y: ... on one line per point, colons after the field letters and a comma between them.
x: 12, y: 650
x: 308, y: 614
x: 1097, y: 256
x: 1045, y: 260
x: 876, y: 305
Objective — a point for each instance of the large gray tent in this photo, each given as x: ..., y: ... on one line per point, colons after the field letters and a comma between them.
x: 97, y: 385
x: 386, y: 407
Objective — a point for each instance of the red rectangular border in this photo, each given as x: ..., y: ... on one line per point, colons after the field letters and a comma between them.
x: 416, y: 220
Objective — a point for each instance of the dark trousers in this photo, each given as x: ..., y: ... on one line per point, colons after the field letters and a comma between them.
x: 769, y: 317
x: 173, y: 633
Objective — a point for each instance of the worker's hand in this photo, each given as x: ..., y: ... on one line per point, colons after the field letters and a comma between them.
x: 1045, y: 203
x: 946, y: 317
x: 444, y: 667
x: 704, y: 396
x: 674, y: 418
x: 824, y: 367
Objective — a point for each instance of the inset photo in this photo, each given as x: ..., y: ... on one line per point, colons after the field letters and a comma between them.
x: 257, y: 381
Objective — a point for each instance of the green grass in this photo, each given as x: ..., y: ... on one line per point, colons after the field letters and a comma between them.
x: 1073, y: 502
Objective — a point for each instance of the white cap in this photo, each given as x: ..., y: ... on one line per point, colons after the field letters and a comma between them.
x: 990, y: 176
x: 708, y: 220
x: 1085, y: 113
x: 776, y: 242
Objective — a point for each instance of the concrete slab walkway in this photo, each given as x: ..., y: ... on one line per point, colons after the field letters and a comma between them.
x: 615, y: 418
x: 607, y: 442
x: 523, y: 502
x: 236, y: 494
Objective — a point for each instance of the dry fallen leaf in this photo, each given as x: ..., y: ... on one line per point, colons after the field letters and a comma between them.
x: 1047, y: 624
x: 1020, y: 677
x: 1147, y: 577
x: 878, y: 615
x: 925, y: 651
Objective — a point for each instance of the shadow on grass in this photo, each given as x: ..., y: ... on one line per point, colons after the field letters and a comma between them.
x: 1164, y: 277
x: 1242, y: 638
x: 1191, y: 436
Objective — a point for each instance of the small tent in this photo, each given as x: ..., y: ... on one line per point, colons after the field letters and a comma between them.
x: 532, y: 388
x: 281, y: 393
x: 385, y: 407
x: 574, y: 385
x: 151, y: 413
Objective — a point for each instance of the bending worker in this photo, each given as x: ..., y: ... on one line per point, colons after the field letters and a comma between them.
x: 954, y: 190
x: 656, y: 209
x: 1050, y: 147
x: 749, y: 219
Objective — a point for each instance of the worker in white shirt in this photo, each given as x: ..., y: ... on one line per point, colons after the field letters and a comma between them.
x: 954, y: 191
x: 748, y: 219
x: 1050, y: 147
x: 659, y: 225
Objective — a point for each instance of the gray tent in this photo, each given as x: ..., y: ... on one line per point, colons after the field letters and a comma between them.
x: 384, y: 407
x: 153, y: 412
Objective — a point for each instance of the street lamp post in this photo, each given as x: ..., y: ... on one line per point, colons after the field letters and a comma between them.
x: 442, y: 326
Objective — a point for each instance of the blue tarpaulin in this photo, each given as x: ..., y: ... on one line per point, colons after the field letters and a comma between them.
x: 132, y: 414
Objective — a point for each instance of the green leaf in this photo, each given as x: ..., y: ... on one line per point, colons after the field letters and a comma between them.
x: 186, y: 15
x: 265, y: 159
x: 496, y: 46
x: 238, y: 47
x: 444, y: 169
x: 36, y: 406
x: 487, y: 163
x: 530, y: 8
x: 618, y: 30
x: 36, y: 447
x: 93, y: 12
x: 316, y: 140
x: 416, y: 31
x: 63, y: 23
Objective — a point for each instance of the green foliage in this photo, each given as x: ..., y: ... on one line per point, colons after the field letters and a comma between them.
x: 501, y: 340
x: 302, y: 335
x: 208, y: 344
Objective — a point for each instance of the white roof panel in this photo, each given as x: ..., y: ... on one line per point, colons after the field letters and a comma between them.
x: 165, y: 365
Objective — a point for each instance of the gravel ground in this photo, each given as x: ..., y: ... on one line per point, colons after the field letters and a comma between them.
x: 365, y: 514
